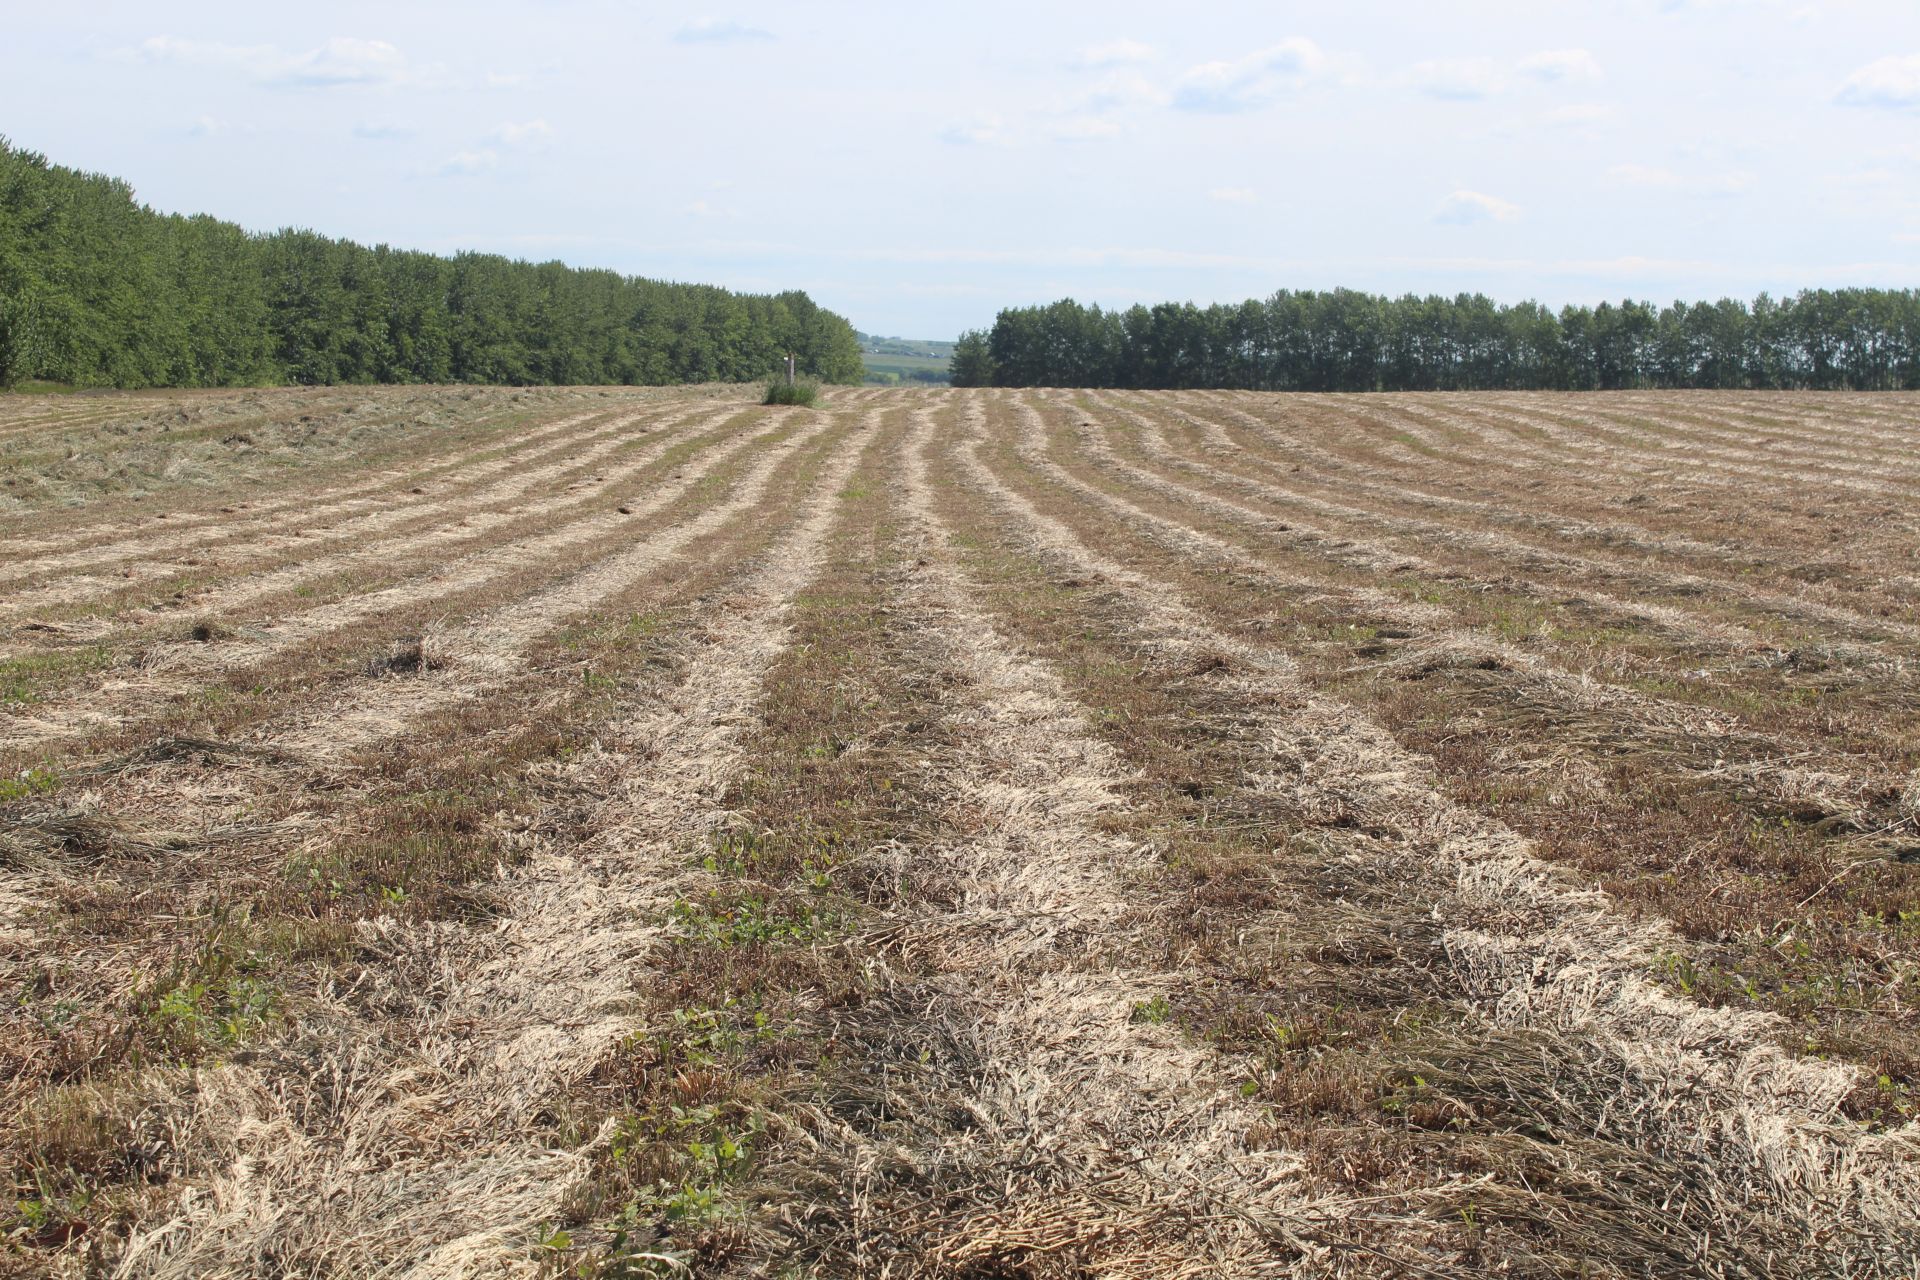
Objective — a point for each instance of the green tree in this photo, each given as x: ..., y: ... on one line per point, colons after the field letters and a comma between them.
x: 95, y: 288
x: 1347, y: 341
x: 971, y: 364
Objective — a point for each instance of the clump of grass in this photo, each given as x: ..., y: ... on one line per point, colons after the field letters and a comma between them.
x: 804, y: 393
x: 32, y: 677
x: 29, y: 783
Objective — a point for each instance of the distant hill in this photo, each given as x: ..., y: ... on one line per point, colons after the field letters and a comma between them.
x: 891, y: 360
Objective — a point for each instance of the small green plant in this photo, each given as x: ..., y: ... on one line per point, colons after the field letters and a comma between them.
x: 705, y: 1037
x: 1680, y: 971
x: 694, y: 1152
x: 804, y: 393
x: 1153, y: 1012
x: 1405, y: 1092
x: 200, y: 1015
x: 746, y: 922
x: 326, y: 876
x: 30, y: 782
x: 1896, y: 1098
x: 28, y: 679
x: 49, y: 1216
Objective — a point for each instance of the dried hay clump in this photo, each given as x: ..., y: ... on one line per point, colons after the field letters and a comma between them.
x: 411, y: 655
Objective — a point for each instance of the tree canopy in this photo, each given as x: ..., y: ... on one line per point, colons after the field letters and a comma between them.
x: 1859, y: 339
x: 98, y: 289
x: 972, y: 363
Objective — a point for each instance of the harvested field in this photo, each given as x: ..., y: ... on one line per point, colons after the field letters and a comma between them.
x: 598, y: 832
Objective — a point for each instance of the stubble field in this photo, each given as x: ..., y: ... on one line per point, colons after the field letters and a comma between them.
x: 602, y: 832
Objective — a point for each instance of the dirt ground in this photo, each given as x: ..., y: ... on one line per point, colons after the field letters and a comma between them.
x: 598, y: 832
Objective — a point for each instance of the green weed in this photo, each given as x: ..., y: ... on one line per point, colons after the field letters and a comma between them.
x: 804, y: 393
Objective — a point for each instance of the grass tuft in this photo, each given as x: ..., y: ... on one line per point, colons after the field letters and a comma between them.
x: 805, y: 393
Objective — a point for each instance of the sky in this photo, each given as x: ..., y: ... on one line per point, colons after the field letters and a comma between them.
x: 917, y: 167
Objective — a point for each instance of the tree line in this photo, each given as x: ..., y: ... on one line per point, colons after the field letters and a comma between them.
x: 1825, y: 339
x: 97, y: 289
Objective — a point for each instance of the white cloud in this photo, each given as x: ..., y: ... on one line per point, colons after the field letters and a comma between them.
x: 1729, y: 183
x: 1233, y: 195
x: 515, y: 135
x: 1862, y: 179
x: 340, y: 62
x: 1893, y: 83
x: 1640, y: 175
x: 345, y: 62
x: 720, y: 31
x: 1579, y: 114
x: 1464, y: 208
x: 1250, y: 82
x: 1083, y: 127
x: 1800, y: 13
x: 486, y: 156
x: 981, y: 131
x: 381, y: 132
x: 1122, y: 89
x: 1906, y: 237
x: 1101, y: 110
x: 1471, y: 79
x: 256, y: 58
x: 207, y: 126
x: 1528, y: 270
x: 1555, y: 66
x: 1052, y: 259
x: 471, y: 162
x: 1117, y: 53
x: 1459, y: 79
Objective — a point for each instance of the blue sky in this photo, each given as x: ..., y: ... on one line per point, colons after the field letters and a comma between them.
x: 917, y: 166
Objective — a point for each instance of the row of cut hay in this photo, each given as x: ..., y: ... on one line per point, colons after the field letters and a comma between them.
x: 1348, y: 537
x: 1229, y: 435
x: 1756, y: 1127
x: 433, y: 573
x: 1657, y: 431
x: 451, y: 467
x: 1443, y: 639
x: 531, y: 1001
x: 1498, y: 448
x: 1762, y: 765
x: 462, y: 663
x: 376, y: 441
x: 1631, y: 570
x: 1587, y: 433
x: 1831, y: 447
x: 339, y: 789
x: 222, y: 581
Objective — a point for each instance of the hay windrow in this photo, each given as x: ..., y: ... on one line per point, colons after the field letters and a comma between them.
x: 1534, y: 952
x: 601, y: 832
